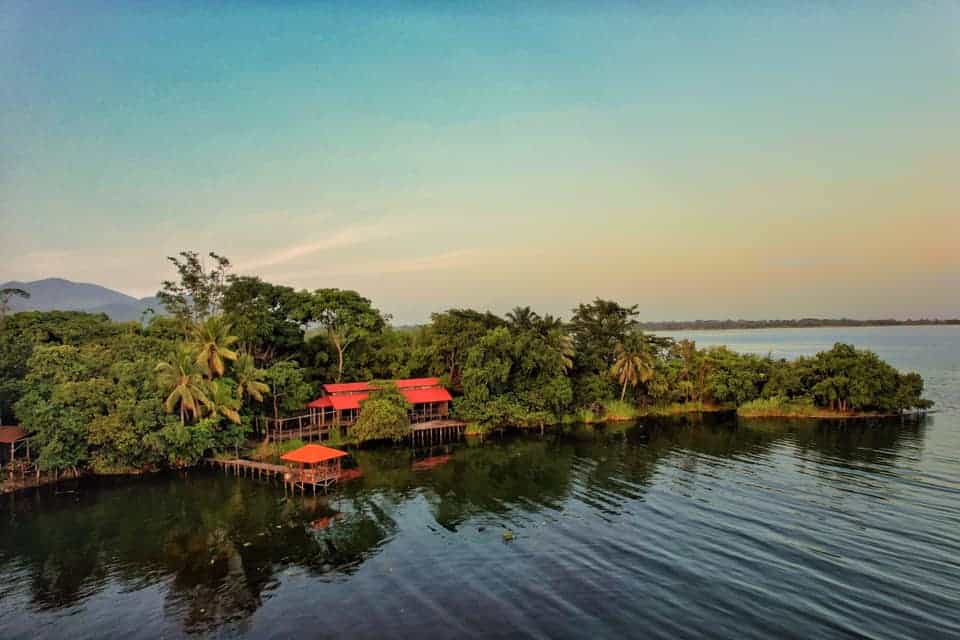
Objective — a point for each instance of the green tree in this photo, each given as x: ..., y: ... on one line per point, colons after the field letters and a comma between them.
x: 249, y: 379
x: 634, y: 361
x: 6, y: 294
x: 264, y: 317
x: 223, y: 400
x: 523, y: 319
x: 452, y: 334
x: 212, y: 340
x: 288, y: 389
x: 383, y: 415
x: 597, y: 328
x: 345, y: 316
x: 183, y: 382
x: 198, y: 294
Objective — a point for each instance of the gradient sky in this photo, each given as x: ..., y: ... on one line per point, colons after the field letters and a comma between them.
x: 716, y: 160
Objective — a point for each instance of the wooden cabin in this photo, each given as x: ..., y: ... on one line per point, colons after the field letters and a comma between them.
x: 339, y: 404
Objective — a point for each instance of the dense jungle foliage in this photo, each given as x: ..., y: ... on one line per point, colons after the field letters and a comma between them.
x: 121, y: 397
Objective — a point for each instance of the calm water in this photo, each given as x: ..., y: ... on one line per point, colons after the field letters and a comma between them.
x: 683, y: 528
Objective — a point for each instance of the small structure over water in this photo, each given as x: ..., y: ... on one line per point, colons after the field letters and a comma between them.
x: 15, y: 451
x: 313, y: 465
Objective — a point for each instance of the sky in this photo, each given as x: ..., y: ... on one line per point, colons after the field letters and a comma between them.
x: 714, y: 160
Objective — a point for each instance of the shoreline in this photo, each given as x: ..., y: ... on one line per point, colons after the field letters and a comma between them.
x: 17, y: 485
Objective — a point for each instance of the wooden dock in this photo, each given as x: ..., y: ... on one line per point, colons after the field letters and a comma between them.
x: 252, y: 468
x: 433, y: 432
x: 291, y: 477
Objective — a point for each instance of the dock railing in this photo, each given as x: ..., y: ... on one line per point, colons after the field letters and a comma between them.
x: 305, y: 426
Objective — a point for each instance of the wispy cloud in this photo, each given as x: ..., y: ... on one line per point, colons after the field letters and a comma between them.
x: 445, y: 260
x: 346, y: 237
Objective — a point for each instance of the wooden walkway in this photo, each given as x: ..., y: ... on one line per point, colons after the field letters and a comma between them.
x: 304, y: 427
x: 291, y: 477
x: 251, y: 468
x: 436, y: 431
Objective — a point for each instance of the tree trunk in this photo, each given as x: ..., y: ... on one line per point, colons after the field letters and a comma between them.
x: 623, y: 393
x: 339, y: 361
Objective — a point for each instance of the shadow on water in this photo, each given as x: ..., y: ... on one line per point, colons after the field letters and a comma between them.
x: 216, y: 544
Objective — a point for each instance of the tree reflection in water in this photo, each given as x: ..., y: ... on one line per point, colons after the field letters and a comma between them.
x: 217, y: 545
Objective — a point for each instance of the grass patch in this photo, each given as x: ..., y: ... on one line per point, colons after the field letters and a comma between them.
x: 272, y: 450
x: 620, y: 410
x: 680, y: 408
x: 779, y: 408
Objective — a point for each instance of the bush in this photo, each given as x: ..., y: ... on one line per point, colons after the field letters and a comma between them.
x: 184, y: 445
x: 383, y: 415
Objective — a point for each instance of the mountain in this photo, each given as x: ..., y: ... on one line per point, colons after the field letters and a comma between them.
x: 64, y: 295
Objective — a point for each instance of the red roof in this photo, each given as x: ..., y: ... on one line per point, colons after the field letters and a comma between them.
x: 351, y: 401
x: 312, y: 454
x: 9, y: 435
x: 320, y: 403
x: 348, y: 395
x: 347, y: 387
x: 411, y: 383
x: 418, y: 396
x: 355, y: 387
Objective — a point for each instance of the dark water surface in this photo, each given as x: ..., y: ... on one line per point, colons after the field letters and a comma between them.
x: 681, y: 528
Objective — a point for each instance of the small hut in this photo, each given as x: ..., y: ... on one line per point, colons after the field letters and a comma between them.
x: 13, y: 440
x: 313, y: 465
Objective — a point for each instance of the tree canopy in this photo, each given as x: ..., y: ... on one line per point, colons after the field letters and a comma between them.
x: 110, y: 396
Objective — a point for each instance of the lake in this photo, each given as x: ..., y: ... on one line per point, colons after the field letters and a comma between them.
x: 685, y: 527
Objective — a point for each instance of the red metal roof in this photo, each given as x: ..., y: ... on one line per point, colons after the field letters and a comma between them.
x: 320, y: 403
x: 348, y: 395
x: 354, y: 387
x: 418, y: 396
x: 346, y: 387
x: 410, y: 383
x: 312, y: 454
x: 11, y: 434
x: 351, y: 401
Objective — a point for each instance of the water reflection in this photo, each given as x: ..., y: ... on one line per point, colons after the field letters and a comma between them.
x: 219, y: 545
x: 216, y: 542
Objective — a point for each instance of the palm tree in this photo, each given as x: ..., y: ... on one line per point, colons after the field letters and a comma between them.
x: 523, y: 318
x: 687, y: 350
x: 562, y: 343
x: 183, y: 381
x: 213, y: 341
x: 634, y: 361
x: 223, y: 401
x: 249, y: 378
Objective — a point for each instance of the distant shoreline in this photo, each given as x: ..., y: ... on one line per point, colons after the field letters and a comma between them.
x: 811, y: 323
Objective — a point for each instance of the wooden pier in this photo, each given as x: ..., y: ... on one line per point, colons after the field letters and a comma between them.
x: 318, y: 466
x: 252, y: 468
x: 291, y: 478
x: 432, y: 432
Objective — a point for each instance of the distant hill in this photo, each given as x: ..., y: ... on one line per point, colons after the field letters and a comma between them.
x: 59, y: 294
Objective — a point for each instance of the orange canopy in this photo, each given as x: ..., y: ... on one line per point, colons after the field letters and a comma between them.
x: 312, y: 454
